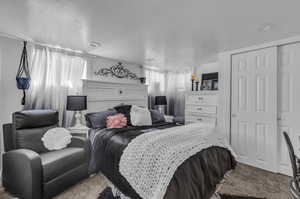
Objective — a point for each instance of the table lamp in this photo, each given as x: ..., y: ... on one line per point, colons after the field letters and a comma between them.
x: 77, y: 103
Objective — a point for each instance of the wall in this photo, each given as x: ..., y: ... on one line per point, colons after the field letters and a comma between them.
x: 207, y: 68
x: 10, y: 96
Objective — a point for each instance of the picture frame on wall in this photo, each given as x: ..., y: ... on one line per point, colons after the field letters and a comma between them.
x: 209, y: 81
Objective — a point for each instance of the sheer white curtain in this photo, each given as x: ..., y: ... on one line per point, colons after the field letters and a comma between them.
x: 172, y: 84
x: 177, y: 83
x: 54, y: 75
x: 156, y: 81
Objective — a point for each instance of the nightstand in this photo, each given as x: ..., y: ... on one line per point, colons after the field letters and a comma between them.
x: 169, y: 118
x: 81, y: 131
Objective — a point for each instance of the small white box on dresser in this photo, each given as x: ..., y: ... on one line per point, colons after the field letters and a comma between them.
x: 201, y: 106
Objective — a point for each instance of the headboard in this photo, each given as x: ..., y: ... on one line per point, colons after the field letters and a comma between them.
x: 103, y: 95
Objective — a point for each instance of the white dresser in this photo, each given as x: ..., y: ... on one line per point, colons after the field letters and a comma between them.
x: 201, y: 106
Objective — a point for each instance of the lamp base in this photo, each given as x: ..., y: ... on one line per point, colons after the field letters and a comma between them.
x: 161, y: 109
x: 78, y: 117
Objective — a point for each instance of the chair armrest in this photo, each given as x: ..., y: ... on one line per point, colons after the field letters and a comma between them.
x: 22, y: 173
x: 80, y: 142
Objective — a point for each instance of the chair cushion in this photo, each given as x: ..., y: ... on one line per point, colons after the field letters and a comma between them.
x: 32, y: 138
x: 56, y: 163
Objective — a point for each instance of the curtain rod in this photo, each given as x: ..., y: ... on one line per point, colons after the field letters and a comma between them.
x: 67, y: 50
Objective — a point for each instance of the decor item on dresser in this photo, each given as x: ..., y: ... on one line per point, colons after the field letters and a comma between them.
x: 118, y: 71
x: 193, y: 80
x: 23, y: 75
x: 197, y: 83
x: 209, y: 81
x: 77, y: 103
x: 201, y: 107
x: 160, y: 101
x: 31, y: 171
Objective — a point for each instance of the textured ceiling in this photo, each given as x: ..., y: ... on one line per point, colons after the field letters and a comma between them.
x: 166, y: 34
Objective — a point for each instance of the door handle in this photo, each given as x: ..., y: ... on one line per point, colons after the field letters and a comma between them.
x: 233, y: 115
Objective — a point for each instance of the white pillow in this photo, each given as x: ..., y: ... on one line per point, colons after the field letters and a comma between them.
x: 140, y: 116
x: 56, y: 138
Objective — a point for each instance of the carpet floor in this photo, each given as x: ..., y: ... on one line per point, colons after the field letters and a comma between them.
x: 243, y: 181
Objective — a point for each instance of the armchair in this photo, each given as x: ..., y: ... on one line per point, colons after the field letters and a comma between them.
x: 30, y: 171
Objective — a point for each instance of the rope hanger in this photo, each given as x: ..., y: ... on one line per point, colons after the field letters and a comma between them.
x: 23, y: 75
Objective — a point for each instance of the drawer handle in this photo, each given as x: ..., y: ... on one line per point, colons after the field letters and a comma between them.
x: 199, y: 119
x: 200, y: 98
x: 199, y: 109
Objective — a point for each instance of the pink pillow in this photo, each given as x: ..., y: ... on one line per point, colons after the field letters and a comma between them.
x: 116, y: 121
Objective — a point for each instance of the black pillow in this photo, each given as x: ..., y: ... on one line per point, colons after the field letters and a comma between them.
x: 97, y: 120
x: 157, y: 117
x: 125, y: 110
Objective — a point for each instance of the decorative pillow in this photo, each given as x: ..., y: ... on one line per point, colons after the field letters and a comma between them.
x: 56, y: 138
x: 140, y: 116
x: 157, y: 117
x: 125, y: 110
x: 97, y: 120
x: 116, y: 121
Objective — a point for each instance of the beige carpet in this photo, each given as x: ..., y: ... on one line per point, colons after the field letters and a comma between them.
x: 244, y: 180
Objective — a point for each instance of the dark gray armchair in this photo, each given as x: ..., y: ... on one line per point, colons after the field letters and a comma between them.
x: 30, y: 171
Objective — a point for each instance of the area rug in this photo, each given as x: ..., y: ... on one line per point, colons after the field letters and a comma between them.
x: 107, y: 194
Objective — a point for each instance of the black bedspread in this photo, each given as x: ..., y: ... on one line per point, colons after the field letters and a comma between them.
x: 196, y: 178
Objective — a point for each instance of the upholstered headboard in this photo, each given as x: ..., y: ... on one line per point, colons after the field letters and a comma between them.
x: 103, y: 95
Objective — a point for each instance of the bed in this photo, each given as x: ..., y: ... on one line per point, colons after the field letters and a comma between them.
x: 196, y: 178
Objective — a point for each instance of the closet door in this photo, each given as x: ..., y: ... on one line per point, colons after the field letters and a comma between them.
x: 254, y: 108
x: 289, y: 102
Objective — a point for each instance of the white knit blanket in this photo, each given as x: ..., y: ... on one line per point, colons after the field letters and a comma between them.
x: 150, y: 160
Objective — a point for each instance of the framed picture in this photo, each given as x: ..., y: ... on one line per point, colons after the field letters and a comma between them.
x: 209, y: 81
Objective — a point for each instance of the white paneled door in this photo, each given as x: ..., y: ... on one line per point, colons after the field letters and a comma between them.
x: 254, y: 108
x: 288, y: 102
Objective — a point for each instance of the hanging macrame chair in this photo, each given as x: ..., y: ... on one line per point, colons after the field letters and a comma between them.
x: 23, y: 75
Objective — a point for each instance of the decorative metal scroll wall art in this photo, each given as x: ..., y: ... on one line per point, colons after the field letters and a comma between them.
x: 118, y: 71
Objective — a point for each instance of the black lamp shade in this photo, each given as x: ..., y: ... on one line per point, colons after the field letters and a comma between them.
x: 160, y: 100
x: 76, y: 103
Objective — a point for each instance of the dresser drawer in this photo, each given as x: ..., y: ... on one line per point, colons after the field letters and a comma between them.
x: 202, y: 99
x: 200, y: 119
x: 207, y: 109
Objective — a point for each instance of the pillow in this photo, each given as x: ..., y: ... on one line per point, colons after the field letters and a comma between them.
x: 125, y: 110
x: 56, y: 138
x: 116, y: 121
x: 97, y: 120
x: 157, y: 117
x: 140, y: 116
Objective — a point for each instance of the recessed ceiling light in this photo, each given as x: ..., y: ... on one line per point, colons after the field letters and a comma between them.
x: 95, y: 44
x: 266, y: 27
